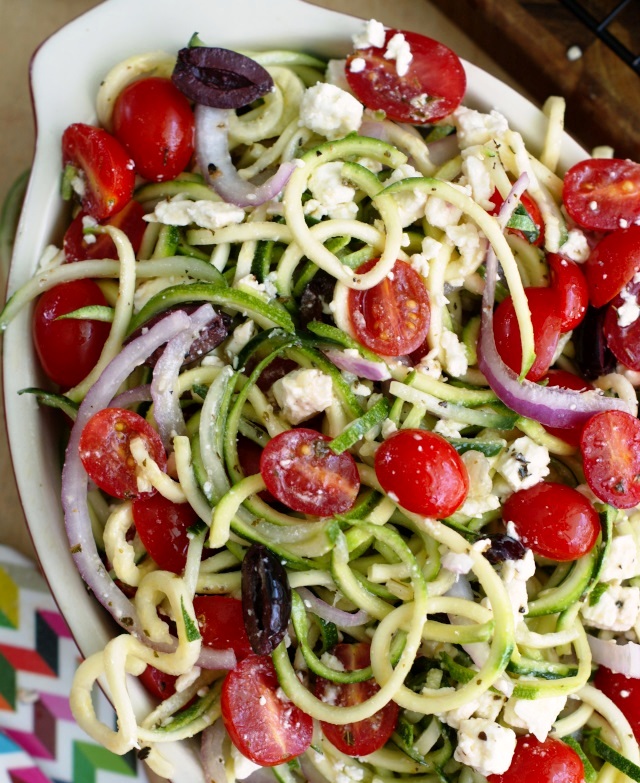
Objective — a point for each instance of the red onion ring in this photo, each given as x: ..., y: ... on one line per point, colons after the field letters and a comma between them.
x: 211, y: 752
x: 619, y: 658
x: 330, y: 613
x: 363, y: 368
x: 214, y: 159
x: 132, y: 397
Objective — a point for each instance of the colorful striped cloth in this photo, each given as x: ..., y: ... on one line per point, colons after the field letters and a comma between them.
x: 39, y: 740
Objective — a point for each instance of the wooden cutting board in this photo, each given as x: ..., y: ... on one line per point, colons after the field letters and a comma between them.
x: 534, y: 40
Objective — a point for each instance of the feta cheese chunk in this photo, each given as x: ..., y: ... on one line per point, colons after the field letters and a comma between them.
x: 515, y: 574
x: 180, y: 211
x: 486, y: 746
x: 303, y: 393
x: 523, y: 464
x: 411, y: 203
x: 373, y: 35
x: 616, y: 610
x: 330, y: 195
x: 398, y: 49
x: 622, y: 560
x: 478, y: 176
x: 471, y: 245
x: 536, y: 716
x: 576, y: 246
x: 480, y: 497
x: 474, y: 127
x: 242, y: 766
x: 239, y: 338
x: 329, y: 111
x: 629, y: 311
x: 486, y: 706
x: 455, y: 354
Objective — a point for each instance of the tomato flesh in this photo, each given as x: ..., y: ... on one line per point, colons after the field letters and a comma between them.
x: 423, y: 472
x: 163, y: 529
x: 610, y: 447
x: 624, y: 692
x: 432, y: 88
x: 107, y: 168
x: 105, y: 451
x: 612, y: 264
x: 392, y: 318
x: 68, y: 349
x: 624, y: 341
x: 553, y: 520
x: 603, y: 194
x: 550, y: 761
x: 533, y: 210
x: 221, y: 624
x: 157, y: 683
x: 301, y: 471
x: 267, y: 729
x: 129, y: 219
x: 546, y: 322
x: 364, y: 736
x: 567, y: 380
x: 572, y: 293
x: 154, y: 122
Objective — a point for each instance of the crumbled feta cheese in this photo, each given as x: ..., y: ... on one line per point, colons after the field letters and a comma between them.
x: 440, y: 214
x: 430, y: 365
x: 471, y: 245
x: 456, y: 563
x: 536, y: 716
x: 332, y: 662
x: 617, y: 609
x: 486, y: 706
x: 303, y: 393
x: 419, y: 262
x: 336, y: 74
x: 478, y: 176
x: 628, y: 312
x: 239, y: 338
x: 180, y: 211
x: 388, y: 428
x: 330, y: 111
x: 449, y: 428
x: 330, y: 195
x: 242, y: 766
x: 187, y: 679
x: 455, y: 354
x: 515, y: 574
x: 523, y: 464
x: 480, y: 498
x: 79, y: 184
x: 576, y: 246
x: 622, y: 559
x: 474, y: 127
x: 398, y: 49
x: 373, y: 35
x: 431, y: 248
x: 410, y: 203
x: 357, y: 65
x: 250, y: 283
x: 485, y: 745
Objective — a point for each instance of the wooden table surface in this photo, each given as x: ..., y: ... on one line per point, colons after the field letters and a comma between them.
x: 25, y: 23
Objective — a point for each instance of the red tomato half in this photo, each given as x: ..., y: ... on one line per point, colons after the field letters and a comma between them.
x: 155, y: 124
x: 553, y: 520
x: 546, y: 320
x: 221, y: 624
x: 108, y: 169
x: 105, y: 451
x: 550, y: 761
x: 623, y: 341
x: 68, y: 349
x: 364, y: 736
x: 431, y: 89
x: 534, y: 213
x: 265, y: 727
x: 129, y: 220
x: 567, y: 380
x: 611, y: 455
x: 612, y: 264
x: 162, y: 527
x: 623, y: 692
x: 571, y: 290
x: 423, y: 472
x: 301, y: 471
x: 603, y: 194
x: 392, y: 318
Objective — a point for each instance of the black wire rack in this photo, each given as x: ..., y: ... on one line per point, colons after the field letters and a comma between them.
x: 604, y: 26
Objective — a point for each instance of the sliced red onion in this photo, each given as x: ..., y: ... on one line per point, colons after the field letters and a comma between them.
x: 443, y: 149
x: 132, y: 397
x: 212, y: 753
x: 214, y: 159
x: 329, y: 613
x: 363, y: 368
x: 620, y: 658
x: 374, y: 129
x: 166, y: 403
x: 550, y: 405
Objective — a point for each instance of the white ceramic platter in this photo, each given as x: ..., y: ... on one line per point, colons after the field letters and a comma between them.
x: 66, y: 73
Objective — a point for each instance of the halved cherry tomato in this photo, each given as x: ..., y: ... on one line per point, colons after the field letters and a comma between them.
x: 423, y: 472
x: 249, y: 454
x: 567, y: 380
x: 392, y: 318
x: 105, y: 451
x: 364, y: 736
x: 221, y: 625
x: 108, y: 169
x: 533, y: 211
x: 546, y: 320
x: 159, y: 684
x: 623, y: 692
x: 301, y: 471
x: 612, y: 264
x: 570, y: 285
x: 610, y: 446
x: 603, y: 194
x: 553, y: 520
x: 162, y: 527
x: 129, y: 219
x: 623, y: 341
x: 154, y: 122
x: 432, y: 88
x: 263, y: 724
x: 68, y: 349
x: 550, y: 761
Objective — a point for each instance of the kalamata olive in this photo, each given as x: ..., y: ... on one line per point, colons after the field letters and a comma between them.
x: 593, y: 356
x: 316, y: 297
x: 503, y: 547
x: 266, y: 599
x: 220, y: 78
